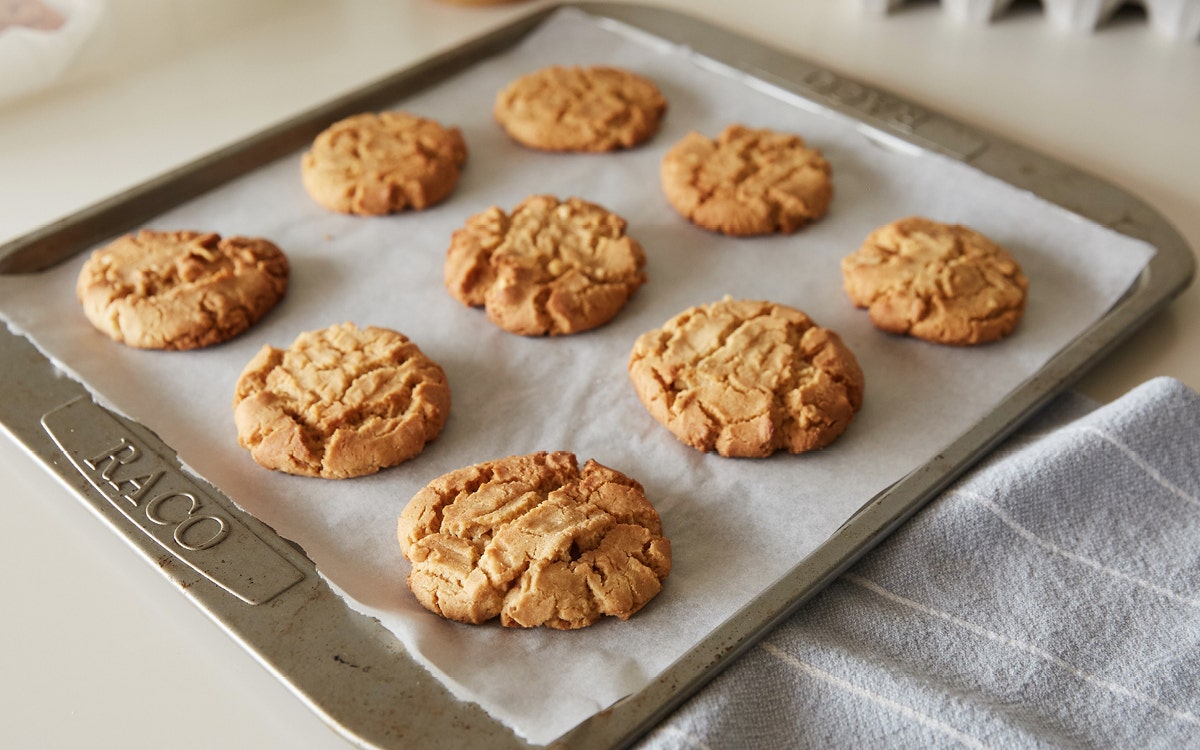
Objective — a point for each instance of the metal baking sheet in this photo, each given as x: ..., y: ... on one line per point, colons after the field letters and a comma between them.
x: 333, y: 657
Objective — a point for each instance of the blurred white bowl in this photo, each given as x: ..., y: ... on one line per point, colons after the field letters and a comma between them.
x: 31, y: 59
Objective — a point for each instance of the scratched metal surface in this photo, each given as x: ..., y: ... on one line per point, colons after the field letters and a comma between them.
x: 344, y: 665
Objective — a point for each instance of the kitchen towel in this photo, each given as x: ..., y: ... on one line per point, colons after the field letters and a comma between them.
x: 1048, y: 599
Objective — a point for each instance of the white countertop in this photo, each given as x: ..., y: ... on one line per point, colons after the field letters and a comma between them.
x: 100, y: 651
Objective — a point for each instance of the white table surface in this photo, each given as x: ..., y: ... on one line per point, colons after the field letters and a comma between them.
x: 98, y: 649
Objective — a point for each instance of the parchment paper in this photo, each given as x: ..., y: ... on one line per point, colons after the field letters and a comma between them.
x: 735, y: 525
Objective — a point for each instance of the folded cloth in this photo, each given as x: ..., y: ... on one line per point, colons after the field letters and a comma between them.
x: 1050, y: 598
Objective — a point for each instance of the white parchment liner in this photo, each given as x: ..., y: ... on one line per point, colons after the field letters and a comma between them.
x: 735, y: 525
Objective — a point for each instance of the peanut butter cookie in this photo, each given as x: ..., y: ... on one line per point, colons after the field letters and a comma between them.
x: 580, y: 109
x: 944, y: 283
x: 747, y: 378
x: 374, y: 164
x: 747, y: 182
x: 340, y: 402
x: 180, y: 290
x: 550, y: 267
x: 535, y: 540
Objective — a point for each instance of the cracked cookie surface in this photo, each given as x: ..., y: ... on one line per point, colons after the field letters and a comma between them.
x: 374, y: 164
x: 180, y: 290
x: 747, y: 378
x: 747, y: 182
x: 536, y: 541
x: 580, y: 109
x: 944, y: 283
x: 550, y: 267
x: 340, y: 402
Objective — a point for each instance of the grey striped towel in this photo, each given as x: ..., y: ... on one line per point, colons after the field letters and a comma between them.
x: 1051, y: 598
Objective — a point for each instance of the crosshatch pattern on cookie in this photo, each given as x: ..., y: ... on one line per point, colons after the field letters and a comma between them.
x: 340, y: 402
x: 182, y: 289
x: 374, y: 164
x: 944, y: 283
x: 536, y: 541
x: 747, y: 182
x: 550, y: 267
x: 747, y: 378
x: 580, y: 109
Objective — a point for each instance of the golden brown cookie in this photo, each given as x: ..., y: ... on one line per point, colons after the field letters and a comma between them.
x: 374, y: 164
x: 747, y: 378
x: 580, y: 109
x: 550, y: 267
x: 340, y: 402
x: 180, y: 290
x: 535, y: 540
x: 944, y: 283
x: 747, y: 182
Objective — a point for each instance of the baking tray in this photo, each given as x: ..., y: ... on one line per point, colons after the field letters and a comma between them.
x: 266, y: 593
